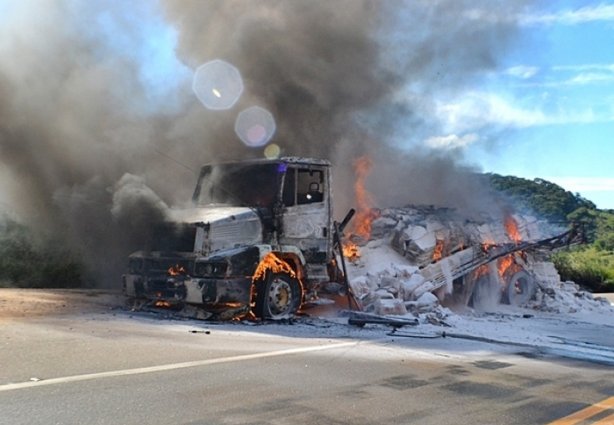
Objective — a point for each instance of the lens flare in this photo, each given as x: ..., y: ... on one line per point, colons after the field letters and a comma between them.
x: 272, y: 151
x: 217, y: 84
x: 255, y: 126
x: 256, y: 134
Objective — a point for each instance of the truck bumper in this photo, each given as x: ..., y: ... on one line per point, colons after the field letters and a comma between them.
x: 216, y: 293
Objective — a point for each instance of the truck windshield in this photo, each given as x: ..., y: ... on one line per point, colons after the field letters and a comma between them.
x: 172, y: 237
x: 252, y: 185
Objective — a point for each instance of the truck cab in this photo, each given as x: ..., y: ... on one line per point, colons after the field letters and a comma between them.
x: 263, y: 236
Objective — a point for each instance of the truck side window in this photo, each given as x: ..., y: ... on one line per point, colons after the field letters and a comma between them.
x: 288, y: 196
x: 135, y: 266
x: 310, y: 186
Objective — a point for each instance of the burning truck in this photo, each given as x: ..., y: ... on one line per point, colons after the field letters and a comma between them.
x: 260, y: 239
x: 261, y: 236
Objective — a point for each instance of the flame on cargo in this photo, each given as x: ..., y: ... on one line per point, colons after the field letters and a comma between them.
x: 480, y: 271
x: 274, y: 264
x: 438, y: 252
x: 365, y: 212
x: 507, y: 265
x: 351, y: 251
x: 487, y: 245
x: 511, y: 228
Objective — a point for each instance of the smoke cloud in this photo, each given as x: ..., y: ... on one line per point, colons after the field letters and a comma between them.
x: 96, y: 106
x: 349, y: 78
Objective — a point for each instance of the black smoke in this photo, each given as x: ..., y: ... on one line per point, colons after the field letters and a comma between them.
x: 89, y: 156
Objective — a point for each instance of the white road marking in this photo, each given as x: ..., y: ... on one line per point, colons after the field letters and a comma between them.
x: 173, y: 366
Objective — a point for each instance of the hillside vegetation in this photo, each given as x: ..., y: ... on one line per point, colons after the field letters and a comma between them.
x: 27, y: 261
x: 590, y: 265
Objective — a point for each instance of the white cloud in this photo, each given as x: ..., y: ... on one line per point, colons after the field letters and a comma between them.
x: 567, y: 75
x: 601, y: 12
x: 451, y: 141
x: 587, y: 73
x: 477, y: 110
x: 590, y: 77
x: 522, y: 71
x: 595, y: 67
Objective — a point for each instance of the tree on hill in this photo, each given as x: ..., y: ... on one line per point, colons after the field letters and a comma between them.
x: 544, y: 198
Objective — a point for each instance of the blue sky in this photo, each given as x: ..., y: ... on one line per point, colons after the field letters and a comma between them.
x: 549, y: 110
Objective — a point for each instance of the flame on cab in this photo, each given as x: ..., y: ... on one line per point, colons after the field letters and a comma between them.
x: 273, y: 263
x: 176, y: 270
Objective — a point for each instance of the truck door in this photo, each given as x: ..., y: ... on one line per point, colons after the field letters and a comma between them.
x: 307, y: 211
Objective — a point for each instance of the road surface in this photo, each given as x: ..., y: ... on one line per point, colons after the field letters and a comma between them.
x: 110, y: 366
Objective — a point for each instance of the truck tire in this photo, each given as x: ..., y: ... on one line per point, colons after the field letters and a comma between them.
x: 521, y: 288
x: 486, y: 294
x: 278, y: 297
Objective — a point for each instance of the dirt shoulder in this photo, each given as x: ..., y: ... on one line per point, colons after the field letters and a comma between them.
x: 609, y: 297
x: 21, y: 304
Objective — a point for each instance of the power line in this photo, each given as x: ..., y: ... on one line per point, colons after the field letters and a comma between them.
x: 175, y: 161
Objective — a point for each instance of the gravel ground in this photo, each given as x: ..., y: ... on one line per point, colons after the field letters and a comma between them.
x: 23, y: 303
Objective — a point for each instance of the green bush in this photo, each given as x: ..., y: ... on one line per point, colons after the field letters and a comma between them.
x: 28, y: 262
x: 589, y: 267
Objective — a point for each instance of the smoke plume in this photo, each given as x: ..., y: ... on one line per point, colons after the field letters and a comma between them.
x: 86, y: 103
x: 349, y: 78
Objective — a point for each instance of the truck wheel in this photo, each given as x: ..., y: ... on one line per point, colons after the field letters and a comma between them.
x: 278, y: 297
x: 486, y: 294
x: 521, y: 288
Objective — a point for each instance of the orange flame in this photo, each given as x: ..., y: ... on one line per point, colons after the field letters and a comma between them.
x: 176, y: 270
x: 351, y: 251
x: 505, y: 263
x: 480, y: 271
x: 438, y: 252
x: 162, y: 303
x: 366, y: 213
x: 273, y: 263
x: 511, y: 228
x: 487, y: 244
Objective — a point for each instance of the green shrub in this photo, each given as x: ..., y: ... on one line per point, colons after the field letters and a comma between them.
x: 28, y: 262
x: 588, y: 267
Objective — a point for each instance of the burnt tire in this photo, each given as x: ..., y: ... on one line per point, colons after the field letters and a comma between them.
x: 486, y: 294
x: 278, y: 297
x: 520, y: 289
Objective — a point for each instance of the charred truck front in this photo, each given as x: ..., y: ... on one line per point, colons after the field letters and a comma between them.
x: 263, y: 239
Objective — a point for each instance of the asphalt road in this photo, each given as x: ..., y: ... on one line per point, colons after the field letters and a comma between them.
x: 121, y: 368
